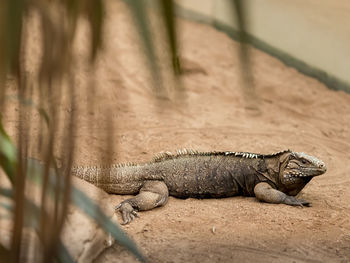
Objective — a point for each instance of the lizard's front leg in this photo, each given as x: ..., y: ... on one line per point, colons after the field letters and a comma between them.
x: 265, y: 192
x: 151, y: 195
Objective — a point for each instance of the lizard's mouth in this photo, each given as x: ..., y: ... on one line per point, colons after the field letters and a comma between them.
x: 305, y: 171
x: 313, y: 171
x: 293, y: 178
x: 300, y: 175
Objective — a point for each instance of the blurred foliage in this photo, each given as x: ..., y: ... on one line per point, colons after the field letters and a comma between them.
x: 167, y: 13
x: 58, y: 21
x: 240, y: 13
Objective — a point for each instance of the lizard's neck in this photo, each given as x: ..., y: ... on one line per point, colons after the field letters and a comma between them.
x: 272, y: 170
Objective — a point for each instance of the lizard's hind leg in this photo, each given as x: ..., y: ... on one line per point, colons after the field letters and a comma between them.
x: 151, y: 195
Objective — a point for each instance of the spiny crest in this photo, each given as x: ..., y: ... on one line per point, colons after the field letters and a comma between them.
x: 119, y: 165
x: 277, y: 153
x: 163, y: 156
x: 250, y: 155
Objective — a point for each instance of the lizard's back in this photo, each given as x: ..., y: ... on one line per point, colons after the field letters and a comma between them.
x: 185, y: 175
x: 204, y: 176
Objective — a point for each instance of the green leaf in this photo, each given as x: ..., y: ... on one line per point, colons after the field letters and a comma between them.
x: 94, y: 212
x: 239, y: 9
x: 168, y: 15
x: 6, y: 192
x: 139, y: 13
x: 4, y: 254
x: 32, y: 212
x: 249, y: 93
x: 31, y: 104
x: 87, y: 206
x: 96, y: 15
x: 63, y: 254
x: 35, y: 170
x: 32, y: 220
x: 8, y: 154
x: 13, y: 26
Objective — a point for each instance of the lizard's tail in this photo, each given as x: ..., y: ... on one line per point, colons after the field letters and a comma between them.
x: 89, y: 174
x: 114, y: 180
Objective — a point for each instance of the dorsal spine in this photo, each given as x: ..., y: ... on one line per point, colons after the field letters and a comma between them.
x: 163, y: 156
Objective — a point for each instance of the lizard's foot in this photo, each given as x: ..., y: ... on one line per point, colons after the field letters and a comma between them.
x: 291, y: 200
x: 127, y: 211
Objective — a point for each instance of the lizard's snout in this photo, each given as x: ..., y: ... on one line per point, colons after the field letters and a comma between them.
x: 323, y: 167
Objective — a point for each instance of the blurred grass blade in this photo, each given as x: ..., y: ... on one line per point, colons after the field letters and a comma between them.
x: 8, y: 154
x: 168, y: 15
x: 13, y: 26
x: 95, y: 13
x: 249, y: 93
x: 35, y: 170
x: 72, y: 7
x: 94, y: 212
x: 139, y: 13
x: 240, y: 12
x: 63, y: 254
x: 30, y: 103
x: 32, y: 213
x: 6, y: 192
x: 4, y: 253
x: 6, y: 206
x: 87, y: 206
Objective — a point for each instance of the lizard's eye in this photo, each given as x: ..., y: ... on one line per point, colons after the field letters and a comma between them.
x: 304, y: 161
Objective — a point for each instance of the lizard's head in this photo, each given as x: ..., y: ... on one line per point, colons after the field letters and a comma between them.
x: 299, y: 168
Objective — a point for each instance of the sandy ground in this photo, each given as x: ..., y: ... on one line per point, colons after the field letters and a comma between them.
x: 295, y: 112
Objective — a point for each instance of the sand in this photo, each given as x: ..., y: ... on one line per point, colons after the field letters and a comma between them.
x: 294, y: 111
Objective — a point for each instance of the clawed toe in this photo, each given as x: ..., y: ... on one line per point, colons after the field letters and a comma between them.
x: 291, y: 200
x: 116, y: 208
x: 127, y: 211
x: 134, y: 213
x: 304, y: 202
x: 127, y: 217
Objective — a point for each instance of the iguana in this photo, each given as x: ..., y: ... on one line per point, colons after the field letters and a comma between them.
x: 273, y: 178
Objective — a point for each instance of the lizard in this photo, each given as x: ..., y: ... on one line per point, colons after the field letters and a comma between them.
x: 273, y: 178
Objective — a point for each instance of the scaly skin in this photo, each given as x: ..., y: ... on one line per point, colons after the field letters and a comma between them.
x: 274, y: 178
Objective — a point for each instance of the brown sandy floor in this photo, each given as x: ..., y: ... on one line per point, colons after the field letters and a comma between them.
x: 296, y: 112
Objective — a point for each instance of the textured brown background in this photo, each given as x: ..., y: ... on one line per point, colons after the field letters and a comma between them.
x: 296, y: 112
